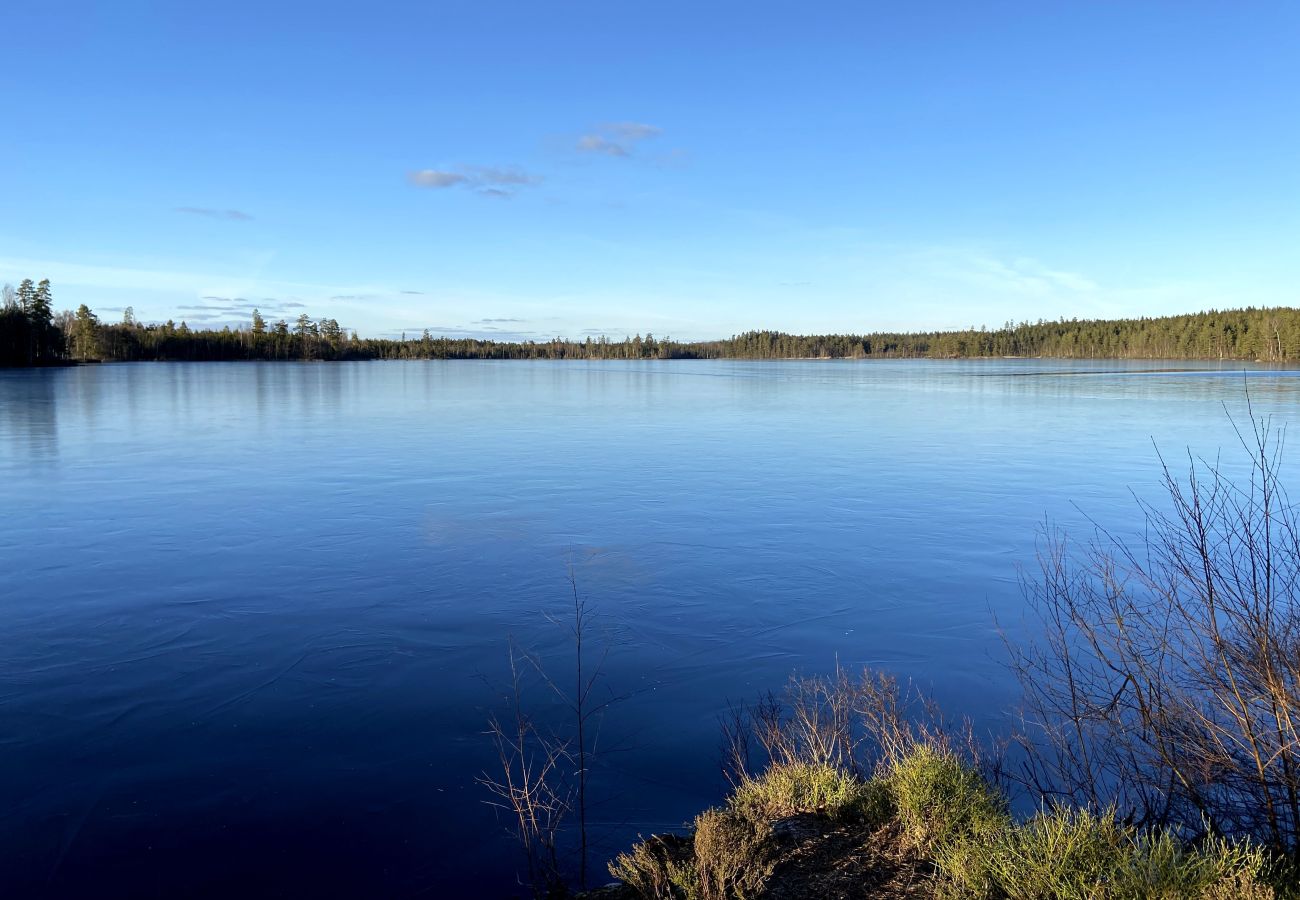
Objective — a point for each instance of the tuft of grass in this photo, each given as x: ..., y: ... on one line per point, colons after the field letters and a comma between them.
x: 787, y: 789
x: 940, y: 800
x: 1071, y: 854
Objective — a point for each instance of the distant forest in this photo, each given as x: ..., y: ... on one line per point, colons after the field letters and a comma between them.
x: 32, y: 334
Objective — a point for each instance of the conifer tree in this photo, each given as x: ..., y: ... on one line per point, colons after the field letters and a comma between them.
x: 42, y: 309
x: 85, y: 336
x: 26, y: 295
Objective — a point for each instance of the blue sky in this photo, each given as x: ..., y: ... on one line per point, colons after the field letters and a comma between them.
x: 688, y: 169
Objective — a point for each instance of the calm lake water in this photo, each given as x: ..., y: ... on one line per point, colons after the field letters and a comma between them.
x: 255, y: 615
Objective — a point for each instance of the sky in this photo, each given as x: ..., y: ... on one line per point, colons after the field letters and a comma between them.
x: 694, y: 170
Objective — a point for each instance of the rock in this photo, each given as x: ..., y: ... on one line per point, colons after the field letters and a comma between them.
x: 798, y: 829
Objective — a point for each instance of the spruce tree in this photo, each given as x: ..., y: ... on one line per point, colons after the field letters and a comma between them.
x: 86, y: 334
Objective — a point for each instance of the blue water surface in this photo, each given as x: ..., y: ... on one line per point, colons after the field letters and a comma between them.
x: 255, y: 615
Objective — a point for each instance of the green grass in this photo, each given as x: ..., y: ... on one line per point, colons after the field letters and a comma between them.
x: 944, y: 812
x: 790, y: 789
x: 939, y: 799
x: 1077, y: 855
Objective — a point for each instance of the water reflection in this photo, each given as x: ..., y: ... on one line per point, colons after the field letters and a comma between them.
x: 29, y: 414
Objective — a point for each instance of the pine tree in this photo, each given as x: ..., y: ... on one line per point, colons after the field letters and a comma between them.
x: 26, y: 295
x: 42, y: 310
x: 259, y: 324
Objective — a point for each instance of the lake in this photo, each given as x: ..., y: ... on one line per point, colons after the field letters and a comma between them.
x: 255, y: 615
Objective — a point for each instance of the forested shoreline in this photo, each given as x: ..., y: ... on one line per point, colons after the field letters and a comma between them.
x: 32, y: 334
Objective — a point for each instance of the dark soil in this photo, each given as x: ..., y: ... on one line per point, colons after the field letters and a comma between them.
x: 820, y: 859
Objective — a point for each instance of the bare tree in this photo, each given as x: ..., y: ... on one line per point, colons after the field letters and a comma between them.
x: 545, y: 778
x: 531, y: 786
x: 1168, y: 682
x: 586, y: 708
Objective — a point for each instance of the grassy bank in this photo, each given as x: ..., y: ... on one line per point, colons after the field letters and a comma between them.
x: 928, y: 824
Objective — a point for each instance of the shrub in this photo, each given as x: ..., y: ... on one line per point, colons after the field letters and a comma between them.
x: 733, y: 855
x: 658, y: 869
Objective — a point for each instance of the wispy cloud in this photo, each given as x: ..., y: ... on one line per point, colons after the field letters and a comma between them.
x: 231, y: 215
x: 595, y: 143
x: 494, y: 321
x: 1023, y: 275
x: 435, y: 178
x: 157, y: 292
x: 460, y: 331
x: 501, y: 176
x: 238, y: 301
x: 632, y: 131
x: 618, y: 139
x: 500, y: 182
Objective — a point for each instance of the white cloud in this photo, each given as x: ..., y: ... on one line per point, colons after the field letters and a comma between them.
x: 616, y: 138
x: 594, y: 143
x: 433, y: 178
x: 500, y: 182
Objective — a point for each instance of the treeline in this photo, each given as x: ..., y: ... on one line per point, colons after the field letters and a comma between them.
x: 1269, y: 335
x: 30, y: 334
